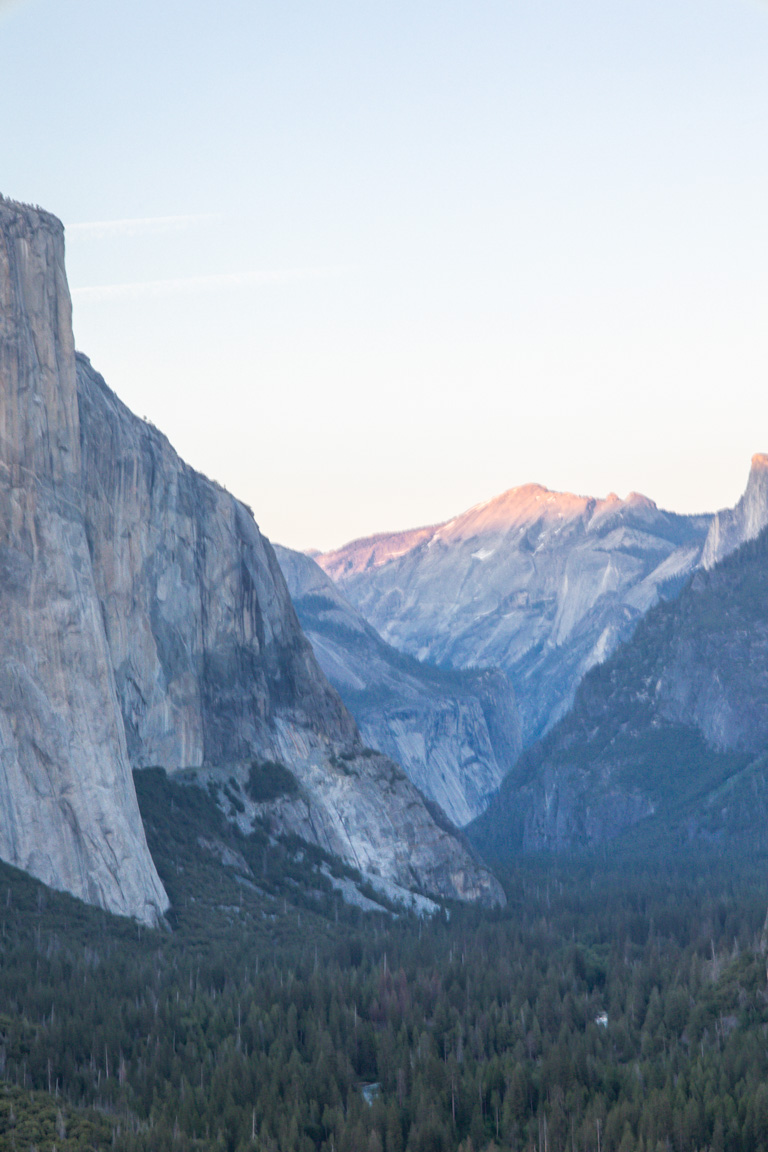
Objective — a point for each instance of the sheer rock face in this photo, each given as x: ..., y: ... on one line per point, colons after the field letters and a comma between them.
x: 207, y: 650
x: 541, y: 584
x: 456, y: 734
x: 734, y: 526
x: 144, y: 620
x: 68, y: 811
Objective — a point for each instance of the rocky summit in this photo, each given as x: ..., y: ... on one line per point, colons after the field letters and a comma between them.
x: 455, y: 733
x: 540, y: 584
x: 145, y: 621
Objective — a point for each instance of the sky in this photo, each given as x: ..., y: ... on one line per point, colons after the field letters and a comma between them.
x: 368, y: 262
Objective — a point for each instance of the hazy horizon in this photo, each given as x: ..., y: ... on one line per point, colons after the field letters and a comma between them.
x: 371, y: 266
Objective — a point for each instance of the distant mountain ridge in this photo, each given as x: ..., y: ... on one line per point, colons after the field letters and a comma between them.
x: 455, y: 733
x: 543, y: 585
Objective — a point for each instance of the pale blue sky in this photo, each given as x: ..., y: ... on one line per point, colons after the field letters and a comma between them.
x: 368, y: 263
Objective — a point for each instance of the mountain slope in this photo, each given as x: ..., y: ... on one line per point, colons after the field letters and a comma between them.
x: 145, y: 621
x: 541, y: 584
x: 456, y: 734
x: 213, y: 672
x: 670, y: 734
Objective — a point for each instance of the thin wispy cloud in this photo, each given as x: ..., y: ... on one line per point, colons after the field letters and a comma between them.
x: 212, y: 283
x: 138, y: 226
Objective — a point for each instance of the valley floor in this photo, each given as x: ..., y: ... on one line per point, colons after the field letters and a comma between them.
x: 609, y: 1007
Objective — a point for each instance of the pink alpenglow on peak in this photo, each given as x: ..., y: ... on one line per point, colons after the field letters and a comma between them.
x: 514, y: 510
x: 541, y: 584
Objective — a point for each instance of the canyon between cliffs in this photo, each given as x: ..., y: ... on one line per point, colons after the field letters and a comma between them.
x: 456, y: 733
x: 145, y: 621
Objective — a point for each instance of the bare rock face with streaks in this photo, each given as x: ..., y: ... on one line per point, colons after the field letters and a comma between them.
x: 209, y: 658
x: 68, y: 811
x: 732, y: 527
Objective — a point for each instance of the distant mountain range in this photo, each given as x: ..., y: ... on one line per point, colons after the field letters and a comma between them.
x: 540, y: 584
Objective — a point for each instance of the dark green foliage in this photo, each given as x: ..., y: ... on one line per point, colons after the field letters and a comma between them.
x: 214, y: 875
x: 44, y: 1120
x: 343, y: 764
x: 270, y: 1005
x: 269, y: 780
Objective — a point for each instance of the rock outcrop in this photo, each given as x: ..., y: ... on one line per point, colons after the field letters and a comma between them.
x: 455, y: 733
x: 543, y: 585
x: 732, y: 527
x: 145, y: 621
x: 68, y: 811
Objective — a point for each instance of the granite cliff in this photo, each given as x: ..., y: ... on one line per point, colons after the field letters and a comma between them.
x: 145, y: 621
x: 541, y: 584
x: 732, y: 527
x: 455, y: 733
x: 68, y: 811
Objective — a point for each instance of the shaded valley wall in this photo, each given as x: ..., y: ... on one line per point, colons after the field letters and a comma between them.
x: 669, y: 735
x: 456, y: 733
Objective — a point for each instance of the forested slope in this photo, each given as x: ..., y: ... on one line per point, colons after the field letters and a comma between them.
x: 274, y: 1017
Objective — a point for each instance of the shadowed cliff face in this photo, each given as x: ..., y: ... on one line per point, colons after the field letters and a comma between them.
x: 144, y: 620
x: 541, y: 584
x: 68, y: 811
x: 455, y: 733
x: 669, y: 735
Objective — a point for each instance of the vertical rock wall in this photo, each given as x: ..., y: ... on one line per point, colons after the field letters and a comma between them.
x: 68, y: 811
x: 732, y: 527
